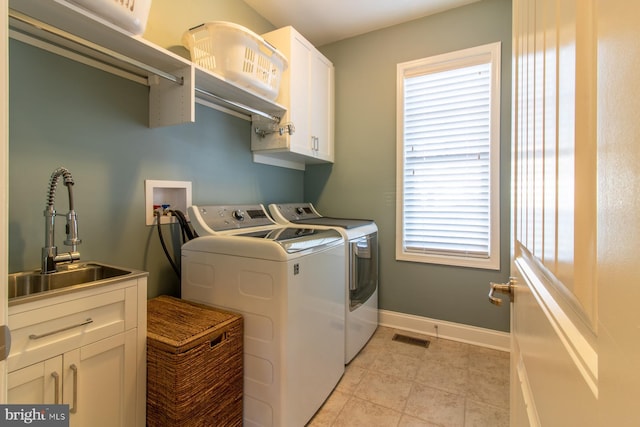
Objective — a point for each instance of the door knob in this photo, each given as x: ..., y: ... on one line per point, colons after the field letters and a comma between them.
x: 505, y: 288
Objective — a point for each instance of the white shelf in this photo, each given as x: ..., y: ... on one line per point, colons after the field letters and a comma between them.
x: 170, y: 102
x: 210, y: 82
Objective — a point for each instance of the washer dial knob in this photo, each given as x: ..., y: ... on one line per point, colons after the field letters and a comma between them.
x: 238, y: 215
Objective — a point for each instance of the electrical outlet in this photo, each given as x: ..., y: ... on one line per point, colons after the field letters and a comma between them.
x: 168, y: 195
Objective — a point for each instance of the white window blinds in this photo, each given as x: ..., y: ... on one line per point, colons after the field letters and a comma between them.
x: 446, y: 150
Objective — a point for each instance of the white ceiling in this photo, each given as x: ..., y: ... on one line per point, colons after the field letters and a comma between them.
x: 326, y: 21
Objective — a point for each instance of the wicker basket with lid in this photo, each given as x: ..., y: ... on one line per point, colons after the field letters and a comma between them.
x: 194, y: 364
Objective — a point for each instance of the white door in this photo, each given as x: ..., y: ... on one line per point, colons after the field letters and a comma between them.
x: 576, y: 216
x: 322, y: 105
x: 4, y: 174
x: 618, y: 211
x: 299, y: 94
x: 40, y: 383
x: 99, y: 382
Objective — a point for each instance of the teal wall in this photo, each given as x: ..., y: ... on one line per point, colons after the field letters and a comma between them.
x: 362, y: 182
x: 95, y: 124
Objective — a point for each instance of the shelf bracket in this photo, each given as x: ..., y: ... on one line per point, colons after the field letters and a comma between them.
x: 287, y: 128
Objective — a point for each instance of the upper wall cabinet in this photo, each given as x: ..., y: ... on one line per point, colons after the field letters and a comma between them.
x: 305, y: 134
x: 174, y: 82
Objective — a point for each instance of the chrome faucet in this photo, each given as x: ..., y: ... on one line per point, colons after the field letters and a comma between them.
x: 50, y: 255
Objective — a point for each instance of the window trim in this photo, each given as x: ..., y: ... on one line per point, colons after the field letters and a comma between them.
x: 437, y: 63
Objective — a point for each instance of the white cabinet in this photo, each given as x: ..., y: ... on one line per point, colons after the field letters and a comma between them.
x: 86, y: 349
x: 38, y: 384
x: 93, y: 380
x: 97, y: 380
x: 307, y: 91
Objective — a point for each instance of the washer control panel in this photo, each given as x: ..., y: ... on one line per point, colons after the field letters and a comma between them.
x: 296, y: 211
x: 228, y: 217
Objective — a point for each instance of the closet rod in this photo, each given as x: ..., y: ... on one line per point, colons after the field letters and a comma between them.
x: 92, y: 46
x: 39, y: 25
x: 243, y: 107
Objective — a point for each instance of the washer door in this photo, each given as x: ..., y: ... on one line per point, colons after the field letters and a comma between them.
x: 363, y: 269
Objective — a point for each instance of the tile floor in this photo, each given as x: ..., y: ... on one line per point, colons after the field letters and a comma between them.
x: 394, y: 384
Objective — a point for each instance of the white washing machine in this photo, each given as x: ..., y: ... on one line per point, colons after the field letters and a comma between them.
x: 287, y: 282
x: 361, y: 270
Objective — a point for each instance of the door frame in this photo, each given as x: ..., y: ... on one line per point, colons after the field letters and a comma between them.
x: 4, y: 180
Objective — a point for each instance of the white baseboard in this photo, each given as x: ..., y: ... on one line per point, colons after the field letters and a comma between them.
x: 453, y: 331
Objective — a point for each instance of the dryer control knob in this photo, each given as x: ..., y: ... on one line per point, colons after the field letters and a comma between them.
x: 239, y: 215
x: 299, y: 210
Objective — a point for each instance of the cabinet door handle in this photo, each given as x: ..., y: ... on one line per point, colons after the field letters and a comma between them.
x: 46, y: 334
x: 56, y: 382
x: 5, y: 342
x: 74, y: 409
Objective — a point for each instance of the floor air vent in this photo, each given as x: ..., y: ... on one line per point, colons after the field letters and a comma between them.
x: 411, y: 340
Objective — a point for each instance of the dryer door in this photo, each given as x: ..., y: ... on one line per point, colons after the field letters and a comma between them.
x: 363, y: 269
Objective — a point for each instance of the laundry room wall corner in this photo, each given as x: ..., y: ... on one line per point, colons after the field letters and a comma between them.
x: 362, y: 182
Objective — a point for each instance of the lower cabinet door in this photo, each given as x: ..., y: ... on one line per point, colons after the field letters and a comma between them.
x: 100, y: 382
x: 38, y: 384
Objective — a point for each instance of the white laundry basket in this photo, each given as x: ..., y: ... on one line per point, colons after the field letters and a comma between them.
x: 237, y: 54
x: 130, y: 15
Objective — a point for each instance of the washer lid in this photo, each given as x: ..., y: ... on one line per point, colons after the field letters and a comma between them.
x: 305, y: 213
x: 296, y: 239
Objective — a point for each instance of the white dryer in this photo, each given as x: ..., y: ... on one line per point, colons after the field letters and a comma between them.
x: 361, y: 269
x: 287, y: 282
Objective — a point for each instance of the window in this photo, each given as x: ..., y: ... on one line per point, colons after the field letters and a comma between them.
x: 449, y: 158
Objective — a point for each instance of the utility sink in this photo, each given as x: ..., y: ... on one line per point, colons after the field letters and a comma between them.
x: 32, y: 283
